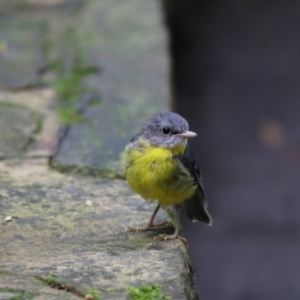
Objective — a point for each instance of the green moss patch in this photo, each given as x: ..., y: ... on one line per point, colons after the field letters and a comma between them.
x: 147, y: 292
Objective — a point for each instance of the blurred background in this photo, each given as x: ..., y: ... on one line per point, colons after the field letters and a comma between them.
x: 235, y: 77
x: 232, y: 69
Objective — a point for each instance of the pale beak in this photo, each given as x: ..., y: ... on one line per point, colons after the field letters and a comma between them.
x: 187, y: 134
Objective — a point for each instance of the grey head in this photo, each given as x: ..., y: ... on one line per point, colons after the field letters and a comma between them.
x: 167, y: 130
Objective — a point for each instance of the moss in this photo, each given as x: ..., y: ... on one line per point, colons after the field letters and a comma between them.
x: 51, y: 281
x: 147, y: 292
x: 86, y: 171
x: 22, y: 296
x: 56, y: 284
x: 93, y: 294
x: 68, y: 71
x: 19, y: 295
x: 69, y: 88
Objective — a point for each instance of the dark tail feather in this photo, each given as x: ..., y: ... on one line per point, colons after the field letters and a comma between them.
x: 195, y: 208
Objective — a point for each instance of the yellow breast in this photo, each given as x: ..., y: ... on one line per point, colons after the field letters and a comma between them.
x: 156, y: 174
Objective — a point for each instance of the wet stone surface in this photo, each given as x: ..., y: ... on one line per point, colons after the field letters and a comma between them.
x: 29, y: 125
x: 18, y: 124
x: 66, y: 226
x: 17, y: 286
x: 128, y: 41
x: 124, y: 40
x: 30, y: 38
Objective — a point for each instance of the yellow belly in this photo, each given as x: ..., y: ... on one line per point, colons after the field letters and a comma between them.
x: 156, y: 175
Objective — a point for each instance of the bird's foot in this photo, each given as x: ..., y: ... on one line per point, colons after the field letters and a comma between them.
x: 169, y: 237
x: 148, y: 227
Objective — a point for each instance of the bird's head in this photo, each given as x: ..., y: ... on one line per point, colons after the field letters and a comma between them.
x: 167, y: 130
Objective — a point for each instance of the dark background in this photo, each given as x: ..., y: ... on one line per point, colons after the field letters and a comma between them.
x: 236, y: 78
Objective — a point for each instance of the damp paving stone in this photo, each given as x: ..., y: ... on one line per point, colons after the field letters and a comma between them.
x: 18, y: 126
x: 54, y: 231
x: 31, y: 37
x: 40, y: 102
x: 20, y: 55
x: 128, y: 41
x: 19, y: 286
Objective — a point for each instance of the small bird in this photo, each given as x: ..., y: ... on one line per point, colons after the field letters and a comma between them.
x: 160, y: 167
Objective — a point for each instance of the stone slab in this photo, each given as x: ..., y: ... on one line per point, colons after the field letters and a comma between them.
x: 31, y: 37
x: 18, y: 286
x: 75, y: 229
x: 18, y: 124
x: 128, y: 40
x: 40, y: 125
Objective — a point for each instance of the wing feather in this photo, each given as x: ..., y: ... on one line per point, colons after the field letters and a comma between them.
x: 196, y: 206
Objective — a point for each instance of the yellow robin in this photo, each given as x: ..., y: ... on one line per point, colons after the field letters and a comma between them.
x: 160, y: 167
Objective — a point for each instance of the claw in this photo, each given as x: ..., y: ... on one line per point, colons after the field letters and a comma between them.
x: 148, y: 227
x: 167, y: 237
x: 164, y: 237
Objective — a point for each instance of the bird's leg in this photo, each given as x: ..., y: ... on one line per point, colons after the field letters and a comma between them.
x: 175, y: 235
x: 150, y: 225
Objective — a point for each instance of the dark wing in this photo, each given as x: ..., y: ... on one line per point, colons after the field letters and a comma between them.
x: 196, y: 206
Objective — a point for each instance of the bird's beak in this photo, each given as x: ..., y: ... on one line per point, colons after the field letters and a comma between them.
x: 187, y: 134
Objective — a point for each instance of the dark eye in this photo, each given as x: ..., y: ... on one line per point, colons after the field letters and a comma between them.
x: 166, y: 130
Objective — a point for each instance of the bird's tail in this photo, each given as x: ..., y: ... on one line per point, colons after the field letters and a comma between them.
x: 196, y: 210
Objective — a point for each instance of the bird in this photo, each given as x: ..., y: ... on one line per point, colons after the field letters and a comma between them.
x: 159, y: 166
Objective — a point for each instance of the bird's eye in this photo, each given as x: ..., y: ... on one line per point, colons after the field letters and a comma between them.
x: 166, y: 130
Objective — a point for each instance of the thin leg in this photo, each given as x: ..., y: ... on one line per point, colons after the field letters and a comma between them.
x: 175, y: 235
x: 150, y: 225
